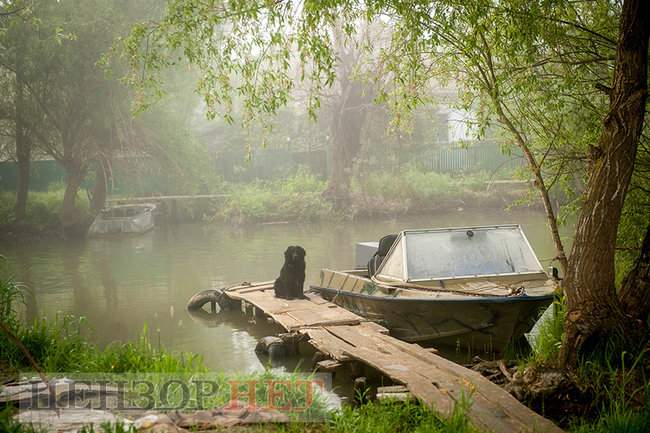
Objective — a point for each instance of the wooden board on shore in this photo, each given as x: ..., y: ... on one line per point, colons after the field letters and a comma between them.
x: 436, y: 381
x: 158, y: 198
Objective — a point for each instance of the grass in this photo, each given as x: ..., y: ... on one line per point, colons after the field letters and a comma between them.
x: 387, y: 416
x: 547, y: 345
x: 616, y: 384
x: 43, y: 208
x: 299, y: 197
x: 374, y: 417
x: 617, y: 420
x: 416, y: 186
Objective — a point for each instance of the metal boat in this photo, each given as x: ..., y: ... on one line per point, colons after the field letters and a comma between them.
x: 481, y: 287
x: 135, y: 218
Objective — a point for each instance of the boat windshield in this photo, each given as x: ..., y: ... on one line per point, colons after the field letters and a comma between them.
x: 440, y: 254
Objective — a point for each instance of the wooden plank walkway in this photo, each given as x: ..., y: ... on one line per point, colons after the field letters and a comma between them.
x: 438, y: 382
x: 153, y: 199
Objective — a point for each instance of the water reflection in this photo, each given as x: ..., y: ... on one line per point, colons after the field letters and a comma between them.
x: 122, y: 284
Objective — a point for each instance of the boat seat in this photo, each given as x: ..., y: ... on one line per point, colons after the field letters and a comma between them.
x: 384, y: 247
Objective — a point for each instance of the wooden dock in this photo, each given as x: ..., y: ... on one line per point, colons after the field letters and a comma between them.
x: 163, y: 198
x: 436, y: 381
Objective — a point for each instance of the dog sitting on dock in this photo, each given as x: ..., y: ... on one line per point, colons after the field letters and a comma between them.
x: 292, y: 275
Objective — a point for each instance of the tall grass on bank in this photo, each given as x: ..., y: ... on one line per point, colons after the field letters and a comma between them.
x: 43, y: 208
x: 298, y: 197
x: 417, y: 186
x: 546, y: 347
x: 616, y: 383
x: 392, y: 416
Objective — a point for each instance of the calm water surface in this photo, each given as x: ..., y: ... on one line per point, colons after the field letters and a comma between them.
x: 120, y: 285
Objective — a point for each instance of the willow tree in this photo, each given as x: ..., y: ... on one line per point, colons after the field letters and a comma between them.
x: 547, y: 72
x: 254, y: 57
x: 595, y: 309
x: 14, y: 60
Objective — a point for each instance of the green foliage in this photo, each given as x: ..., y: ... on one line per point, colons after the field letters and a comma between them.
x: 635, y: 218
x: 619, y: 383
x: 297, y: 197
x: 418, y: 186
x: 9, y: 425
x: 60, y: 346
x: 618, y: 420
x: 548, y: 343
x: 43, y: 208
x: 392, y: 416
x: 108, y: 428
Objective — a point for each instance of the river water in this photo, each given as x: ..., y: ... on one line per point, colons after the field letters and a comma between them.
x: 122, y: 285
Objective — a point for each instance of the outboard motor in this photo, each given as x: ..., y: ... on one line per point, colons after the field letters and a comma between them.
x: 385, y: 244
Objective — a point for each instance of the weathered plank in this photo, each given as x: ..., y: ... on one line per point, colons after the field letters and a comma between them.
x: 438, y: 382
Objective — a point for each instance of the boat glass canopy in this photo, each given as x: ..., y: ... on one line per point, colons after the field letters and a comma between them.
x: 468, y: 252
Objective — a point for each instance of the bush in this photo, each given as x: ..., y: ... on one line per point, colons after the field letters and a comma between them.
x: 297, y: 197
x: 43, y: 208
x: 418, y: 186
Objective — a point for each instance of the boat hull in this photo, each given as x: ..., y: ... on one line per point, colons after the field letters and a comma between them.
x: 134, y: 219
x: 481, y: 323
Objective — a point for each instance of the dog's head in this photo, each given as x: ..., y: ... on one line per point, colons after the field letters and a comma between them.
x: 295, y: 254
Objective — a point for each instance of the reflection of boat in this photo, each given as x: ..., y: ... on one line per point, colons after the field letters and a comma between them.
x: 132, y: 218
x: 477, y: 286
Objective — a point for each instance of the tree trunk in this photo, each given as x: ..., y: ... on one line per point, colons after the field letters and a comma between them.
x: 23, y: 146
x: 593, y: 306
x: 635, y: 290
x: 23, y: 157
x: 98, y: 199
x: 347, y: 120
x: 71, y: 218
x: 534, y: 167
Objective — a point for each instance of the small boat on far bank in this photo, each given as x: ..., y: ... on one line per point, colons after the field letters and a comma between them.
x: 130, y: 219
x: 481, y: 287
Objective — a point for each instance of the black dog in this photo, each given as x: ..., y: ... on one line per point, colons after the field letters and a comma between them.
x: 292, y: 275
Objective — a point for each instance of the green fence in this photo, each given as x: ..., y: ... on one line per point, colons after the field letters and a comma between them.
x: 42, y: 174
x: 476, y: 157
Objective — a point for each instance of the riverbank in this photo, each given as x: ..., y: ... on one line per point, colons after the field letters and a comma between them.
x: 411, y: 192
x: 297, y: 198
x: 41, y: 217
